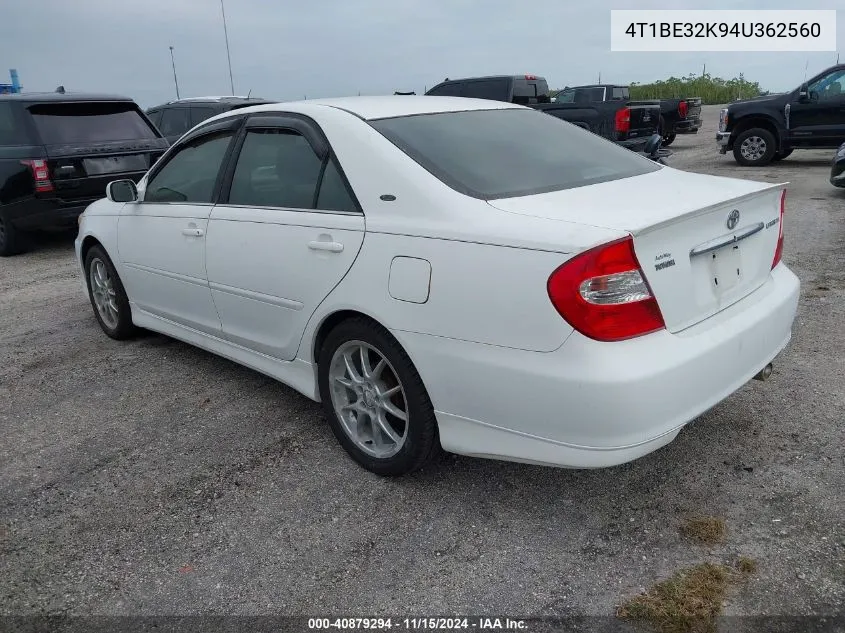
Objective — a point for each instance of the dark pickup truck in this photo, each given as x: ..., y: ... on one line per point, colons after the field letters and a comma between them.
x: 677, y: 116
x: 769, y: 128
x: 628, y: 125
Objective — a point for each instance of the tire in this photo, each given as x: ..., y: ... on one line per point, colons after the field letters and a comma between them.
x: 12, y: 241
x: 415, y: 440
x: 115, y: 320
x: 781, y: 155
x: 755, y: 147
x: 667, y: 137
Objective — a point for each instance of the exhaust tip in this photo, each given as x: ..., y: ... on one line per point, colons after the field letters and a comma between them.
x: 764, y: 373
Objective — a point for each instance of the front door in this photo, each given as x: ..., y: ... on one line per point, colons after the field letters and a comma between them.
x: 819, y: 119
x: 284, y: 235
x: 161, y: 238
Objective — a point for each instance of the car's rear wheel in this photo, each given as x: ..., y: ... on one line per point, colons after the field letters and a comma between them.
x: 108, y: 297
x: 667, y: 135
x: 755, y: 147
x: 375, y: 400
x: 11, y: 240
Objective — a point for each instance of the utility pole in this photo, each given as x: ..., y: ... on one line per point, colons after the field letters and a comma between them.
x: 175, y: 81
x: 228, y: 56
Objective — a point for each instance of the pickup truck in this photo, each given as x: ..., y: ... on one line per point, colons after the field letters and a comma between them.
x: 628, y: 125
x: 677, y: 116
x: 769, y: 128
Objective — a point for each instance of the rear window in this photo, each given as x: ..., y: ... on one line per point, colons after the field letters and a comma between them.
x: 492, y: 154
x: 91, y: 122
x: 620, y: 94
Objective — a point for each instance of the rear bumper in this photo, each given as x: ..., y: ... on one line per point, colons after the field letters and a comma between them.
x: 723, y: 139
x: 688, y: 126
x: 38, y: 213
x: 591, y: 404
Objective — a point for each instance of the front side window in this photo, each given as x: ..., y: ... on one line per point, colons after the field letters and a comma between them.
x: 191, y: 174
x: 828, y: 87
x: 279, y: 168
x: 505, y: 153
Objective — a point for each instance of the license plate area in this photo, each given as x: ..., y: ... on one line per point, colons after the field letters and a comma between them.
x: 725, y: 268
x: 115, y: 164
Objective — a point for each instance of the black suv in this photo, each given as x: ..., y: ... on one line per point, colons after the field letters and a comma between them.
x: 59, y: 151
x: 175, y: 118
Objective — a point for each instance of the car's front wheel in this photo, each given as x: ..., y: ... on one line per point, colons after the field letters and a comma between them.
x: 108, y: 297
x: 375, y: 400
x: 755, y: 147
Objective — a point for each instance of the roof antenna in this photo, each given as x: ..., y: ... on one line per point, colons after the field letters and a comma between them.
x: 807, y: 65
x: 249, y: 93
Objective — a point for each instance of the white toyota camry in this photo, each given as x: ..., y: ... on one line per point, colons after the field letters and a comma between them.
x: 445, y: 272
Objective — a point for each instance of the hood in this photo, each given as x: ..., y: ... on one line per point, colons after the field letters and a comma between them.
x: 770, y: 97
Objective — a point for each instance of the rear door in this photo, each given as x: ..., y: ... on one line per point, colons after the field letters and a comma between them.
x: 90, y: 143
x: 285, y: 234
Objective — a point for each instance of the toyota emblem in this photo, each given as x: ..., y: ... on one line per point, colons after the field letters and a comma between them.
x: 733, y: 219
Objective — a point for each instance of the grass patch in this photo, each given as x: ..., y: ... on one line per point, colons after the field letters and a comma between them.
x: 704, y: 529
x: 689, y: 601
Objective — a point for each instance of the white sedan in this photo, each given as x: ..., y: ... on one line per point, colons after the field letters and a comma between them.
x: 445, y: 272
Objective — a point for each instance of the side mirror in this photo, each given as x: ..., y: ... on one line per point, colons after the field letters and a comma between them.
x: 122, y: 191
x: 803, y: 95
x: 652, y: 145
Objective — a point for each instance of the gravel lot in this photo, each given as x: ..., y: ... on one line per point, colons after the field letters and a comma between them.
x: 150, y: 477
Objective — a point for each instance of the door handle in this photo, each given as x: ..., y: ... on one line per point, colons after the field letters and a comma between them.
x: 193, y: 232
x: 332, y: 247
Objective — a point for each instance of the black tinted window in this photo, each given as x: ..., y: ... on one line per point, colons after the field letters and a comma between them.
x: 446, y: 90
x: 155, y: 117
x: 200, y: 114
x: 190, y: 175
x: 174, y: 121
x: 334, y: 196
x: 511, y: 152
x: 11, y: 132
x: 276, y: 168
x: 60, y: 123
x: 494, y: 89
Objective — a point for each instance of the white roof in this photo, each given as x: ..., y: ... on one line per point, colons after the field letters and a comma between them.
x: 370, y: 108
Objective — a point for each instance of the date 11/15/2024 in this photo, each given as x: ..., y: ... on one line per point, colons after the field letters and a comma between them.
x: 419, y: 624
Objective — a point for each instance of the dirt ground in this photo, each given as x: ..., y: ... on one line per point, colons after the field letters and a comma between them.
x: 153, y: 478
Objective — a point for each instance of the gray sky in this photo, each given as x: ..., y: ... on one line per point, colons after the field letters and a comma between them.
x: 287, y: 49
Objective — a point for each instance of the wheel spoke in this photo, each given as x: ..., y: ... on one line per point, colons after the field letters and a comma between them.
x: 350, y: 369
x: 392, y: 391
x: 345, y: 382
x: 366, y: 369
x: 393, y: 410
x: 383, y: 426
x: 380, y: 365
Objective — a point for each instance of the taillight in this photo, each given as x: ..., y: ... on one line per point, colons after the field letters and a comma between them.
x: 623, y: 119
x: 779, y: 247
x: 603, y: 294
x: 40, y: 174
x: 683, y: 108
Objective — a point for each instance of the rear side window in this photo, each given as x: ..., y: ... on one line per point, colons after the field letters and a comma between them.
x: 175, y: 121
x: 527, y: 91
x: 89, y: 122
x: 200, y: 114
x: 446, y: 90
x: 621, y: 94
x: 276, y: 168
x: 11, y: 130
x: 191, y: 174
x: 506, y: 153
x: 493, y: 89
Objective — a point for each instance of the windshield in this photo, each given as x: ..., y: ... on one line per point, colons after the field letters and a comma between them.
x: 91, y: 122
x: 505, y: 153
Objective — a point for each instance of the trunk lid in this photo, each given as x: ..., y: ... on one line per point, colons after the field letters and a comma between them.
x: 695, y: 260
x: 89, y: 144
x: 693, y: 108
x: 644, y: 119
